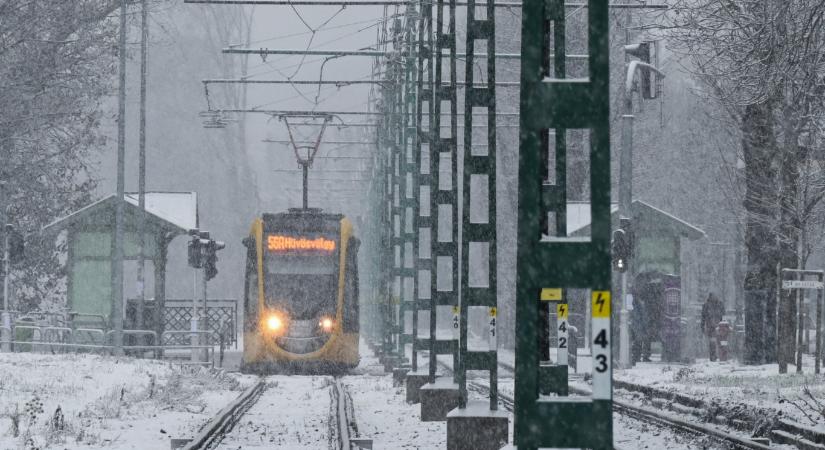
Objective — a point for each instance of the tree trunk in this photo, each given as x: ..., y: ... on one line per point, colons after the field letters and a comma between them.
x: 789, y: 232
x: 759, y: 148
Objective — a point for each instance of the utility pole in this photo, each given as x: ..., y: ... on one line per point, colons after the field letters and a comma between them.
x: 641, y: 51
x: 5, y: 331
x: 117, y: 251
x: 5, y: 336
x: 141, y: 277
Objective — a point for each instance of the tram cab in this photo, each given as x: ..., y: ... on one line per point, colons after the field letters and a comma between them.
x: 301, y: 294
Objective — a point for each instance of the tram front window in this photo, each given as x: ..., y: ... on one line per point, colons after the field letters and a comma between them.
x: 300, y: 284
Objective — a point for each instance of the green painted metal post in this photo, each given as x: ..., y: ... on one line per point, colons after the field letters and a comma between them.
x: 478, y: 243
x: 443, y: 197
x: 396, y: 216
x: 557, y: 261
x: 407, y: 180
x: 423, y: 181
x: 386, y: 143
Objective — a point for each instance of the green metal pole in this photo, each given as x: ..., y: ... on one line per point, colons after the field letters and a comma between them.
x: 478, y: 280
x: 386, y: 250
x: 409, y: 198
x: 443, y: 197
x: 424, y: 176
x: 555, y: 104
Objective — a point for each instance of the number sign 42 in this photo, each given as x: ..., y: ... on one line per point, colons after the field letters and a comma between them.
x: 562, y: 311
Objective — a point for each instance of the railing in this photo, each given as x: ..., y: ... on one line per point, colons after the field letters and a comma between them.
x: 34, y: 338
x: 177, y: 315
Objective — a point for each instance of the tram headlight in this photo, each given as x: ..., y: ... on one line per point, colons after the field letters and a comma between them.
x: 275, y: 323
x: 326, y: 324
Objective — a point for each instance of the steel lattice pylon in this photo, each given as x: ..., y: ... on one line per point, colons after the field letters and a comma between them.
x: 405, y: 186
x: 550, y: 102
x: 422, y: 180
x: 478, y: 281
x: 443, y: 195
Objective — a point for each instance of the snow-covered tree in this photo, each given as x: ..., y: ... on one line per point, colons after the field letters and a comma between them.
x: 57, y: 63
x: 763, y: 60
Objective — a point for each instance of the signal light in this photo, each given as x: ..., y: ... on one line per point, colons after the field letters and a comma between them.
x: 620, y: 250
x: 202, y: 252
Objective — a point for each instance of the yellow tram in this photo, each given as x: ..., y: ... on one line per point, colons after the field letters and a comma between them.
x: 301, y: 294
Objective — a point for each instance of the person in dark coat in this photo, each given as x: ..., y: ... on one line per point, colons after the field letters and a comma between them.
x: 712, y: 312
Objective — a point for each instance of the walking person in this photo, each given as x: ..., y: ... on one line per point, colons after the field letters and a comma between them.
x: 712, y: 312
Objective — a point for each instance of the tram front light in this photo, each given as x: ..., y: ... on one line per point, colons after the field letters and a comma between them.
x: 326, y: 324
x: 274, y: 323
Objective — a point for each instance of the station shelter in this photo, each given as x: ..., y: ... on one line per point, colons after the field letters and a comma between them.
x: 90, y: 247
x: 654, y: 274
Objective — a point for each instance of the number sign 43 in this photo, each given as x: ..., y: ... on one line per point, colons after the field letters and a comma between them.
x: 600, y: 320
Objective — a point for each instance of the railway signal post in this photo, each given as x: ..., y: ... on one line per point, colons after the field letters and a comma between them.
x: 548, y: 258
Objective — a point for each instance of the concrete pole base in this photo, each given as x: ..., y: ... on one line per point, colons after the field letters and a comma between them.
x: 392, y: 362
x: 414, y: 382
x: 399, y: 374
x: 438, y: 399
x: 476, y: 427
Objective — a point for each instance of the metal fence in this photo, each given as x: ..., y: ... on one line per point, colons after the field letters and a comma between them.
x: 38, y: 334
x: 220, y: 318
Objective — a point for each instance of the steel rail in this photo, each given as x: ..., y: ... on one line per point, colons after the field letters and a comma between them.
x: 671, y: 421
x: 214, y: 431
x: 342, y: 415
x: 647, y: 415
x: 639, y: 412
x: 785, y: 431
x: 668, y: 420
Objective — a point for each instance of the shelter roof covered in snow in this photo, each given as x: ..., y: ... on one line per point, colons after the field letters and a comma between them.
x: 176, y: 212
x: 578, y: 219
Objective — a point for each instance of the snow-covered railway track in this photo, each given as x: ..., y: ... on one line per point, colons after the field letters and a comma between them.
x: 637, y: 413
x: 781, y: 430
x: 213, y: 432
x: 285, y: 412
x: 343, y: 427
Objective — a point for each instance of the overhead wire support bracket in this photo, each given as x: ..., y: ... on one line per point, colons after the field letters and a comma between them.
x: 340, y: 83
x: 362, y: 52
x: 397, y: 3
x: 279, y: 112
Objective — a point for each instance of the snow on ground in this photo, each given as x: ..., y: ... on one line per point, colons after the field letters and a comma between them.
x: 292, y: 414
x: 633, y: 434
x: 382, y: 413
x: 761, y: 386
x: 105, y: 402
